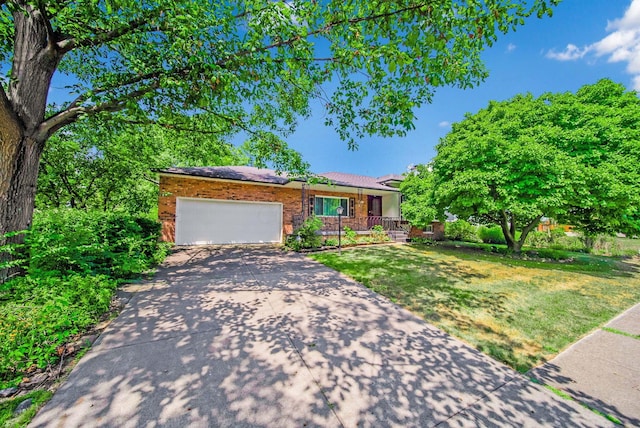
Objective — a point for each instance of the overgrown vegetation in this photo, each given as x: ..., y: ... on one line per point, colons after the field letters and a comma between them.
x: 74, y: 261
x: 519, y: 311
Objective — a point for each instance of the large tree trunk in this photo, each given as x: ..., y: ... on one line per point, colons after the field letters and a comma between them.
x: 508, y: 225
x: 22, y: 109
x: 17, y: 198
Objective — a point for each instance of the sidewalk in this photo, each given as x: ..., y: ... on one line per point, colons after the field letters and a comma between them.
x: 603, y: 369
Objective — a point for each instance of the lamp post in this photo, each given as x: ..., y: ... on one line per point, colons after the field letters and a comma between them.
x: 339, y: 210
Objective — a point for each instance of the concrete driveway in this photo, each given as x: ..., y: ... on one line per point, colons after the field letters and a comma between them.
x: 252, y: 336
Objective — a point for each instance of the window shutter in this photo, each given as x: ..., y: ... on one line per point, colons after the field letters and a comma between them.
x: 352, y: 207
x: 311, y: 205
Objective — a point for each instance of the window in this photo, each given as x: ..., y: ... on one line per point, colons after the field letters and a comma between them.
x: 429, y: 229
x: 325, y: 206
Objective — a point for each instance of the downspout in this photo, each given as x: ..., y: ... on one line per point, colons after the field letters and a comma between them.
x: 303, y: 194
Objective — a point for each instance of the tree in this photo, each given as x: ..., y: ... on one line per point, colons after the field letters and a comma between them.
x: 417, y: 191
x: 248, y: 66
x: 573, y: 157
x: 601, y: 130
x: 93, y: 165
x: 497, y: 166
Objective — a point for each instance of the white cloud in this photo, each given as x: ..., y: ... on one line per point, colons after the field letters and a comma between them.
x: 444, y: 124
x: 570, y: 53
x: 621, y: 45
x: 511, y: 47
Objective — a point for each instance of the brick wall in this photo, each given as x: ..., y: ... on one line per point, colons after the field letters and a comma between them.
x: 174, y: 186
x: 437, y: 232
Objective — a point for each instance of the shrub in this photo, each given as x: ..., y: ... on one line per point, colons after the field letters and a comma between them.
x: 306, y: 235
x: 331, y: 242
x: 538, y: 239
x: 72, y: 241
x: 422, y: 240
x: 76, y: 261
x: 555, y: 239
x: 378, y: 234
x: 350, y: 236
x: 491, y: 235
x: 460, y: 230
x: 606, y: 245
x: 39, y: 315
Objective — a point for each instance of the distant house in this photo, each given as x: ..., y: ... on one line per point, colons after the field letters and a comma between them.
x: 548, y: 224
x: 240, y: 204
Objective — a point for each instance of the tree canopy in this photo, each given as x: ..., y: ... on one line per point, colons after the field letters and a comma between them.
x: 573, y: 157
x: 417, y: 191
x: 93, y: 165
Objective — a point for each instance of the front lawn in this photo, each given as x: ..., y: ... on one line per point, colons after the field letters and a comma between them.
x: 521, y: 312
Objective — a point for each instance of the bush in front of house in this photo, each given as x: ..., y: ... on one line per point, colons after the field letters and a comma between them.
x: 118, y: 245
x: 306, y: 236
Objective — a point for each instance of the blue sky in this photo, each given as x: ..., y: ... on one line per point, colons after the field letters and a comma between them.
x: 584, y: 41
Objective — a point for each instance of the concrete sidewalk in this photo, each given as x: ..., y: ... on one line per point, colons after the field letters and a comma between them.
x: 603, y: 369
x: 252, y: 336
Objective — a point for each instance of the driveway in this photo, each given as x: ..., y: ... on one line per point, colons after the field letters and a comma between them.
x: 253, y: 336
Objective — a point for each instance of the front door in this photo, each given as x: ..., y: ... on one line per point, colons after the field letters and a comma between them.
x: 374, y: 211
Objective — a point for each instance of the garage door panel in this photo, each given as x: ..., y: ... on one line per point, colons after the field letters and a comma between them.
x: 206, y: 221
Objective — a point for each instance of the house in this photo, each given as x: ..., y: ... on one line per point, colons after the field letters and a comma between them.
x: 548, y: 224
x: 241, y: 204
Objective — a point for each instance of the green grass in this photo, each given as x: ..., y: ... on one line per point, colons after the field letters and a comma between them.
x: 7, y: 408
x: 628, y: 244
x: 519, y: 311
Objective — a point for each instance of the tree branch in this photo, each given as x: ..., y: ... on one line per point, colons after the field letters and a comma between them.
x: 528, y: 228
x: 170, y: 126
x: 72, y: 113
x: 71, y: 43
x: 322, y: 29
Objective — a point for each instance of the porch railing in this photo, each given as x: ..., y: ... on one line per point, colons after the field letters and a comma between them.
x: 359, y: 224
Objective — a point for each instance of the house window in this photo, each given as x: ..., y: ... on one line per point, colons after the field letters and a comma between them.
x: 325, y: 206
x: 429, y: 229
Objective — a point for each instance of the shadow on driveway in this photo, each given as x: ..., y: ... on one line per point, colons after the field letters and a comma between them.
x: 252, y: 336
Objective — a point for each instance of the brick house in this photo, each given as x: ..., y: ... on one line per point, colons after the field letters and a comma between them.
x: 240, y: 204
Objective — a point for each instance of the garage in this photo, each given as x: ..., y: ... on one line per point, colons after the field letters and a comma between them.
x: 211, y: 221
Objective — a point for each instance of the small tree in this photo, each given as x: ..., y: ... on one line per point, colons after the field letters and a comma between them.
x: 417, y: 191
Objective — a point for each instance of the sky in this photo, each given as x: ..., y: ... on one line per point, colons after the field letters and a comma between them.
x: 584, y: 41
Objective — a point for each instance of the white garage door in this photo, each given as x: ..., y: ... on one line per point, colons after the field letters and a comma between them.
x: 207, y: 221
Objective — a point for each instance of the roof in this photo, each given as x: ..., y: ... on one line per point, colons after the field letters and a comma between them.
x: 240, y: 173
x: 352, y: 180
x: 269, y: 176
x: 390, y: 177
